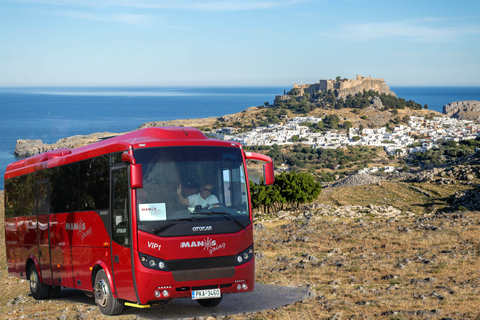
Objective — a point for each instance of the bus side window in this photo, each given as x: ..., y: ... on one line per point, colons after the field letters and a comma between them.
x: 42, y: 197
x: 120, y: 205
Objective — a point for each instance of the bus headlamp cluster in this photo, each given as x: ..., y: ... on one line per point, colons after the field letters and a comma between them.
x: 153, y: 263
x: 159, y: 293
x: 241, y: 285
x: 244, y: 256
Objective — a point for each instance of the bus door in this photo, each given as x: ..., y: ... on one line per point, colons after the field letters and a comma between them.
x: 43, y: 229
x: 121, y: 234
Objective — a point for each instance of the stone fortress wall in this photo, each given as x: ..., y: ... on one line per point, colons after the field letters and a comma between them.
x: 343, y: 87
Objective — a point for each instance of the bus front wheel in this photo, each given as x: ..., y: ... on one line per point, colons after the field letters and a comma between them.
x: 39, y: 290
x: 104, y: 298
x: 208, y: 303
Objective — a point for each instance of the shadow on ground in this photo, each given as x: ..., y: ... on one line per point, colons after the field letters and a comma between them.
x: 264, y: 297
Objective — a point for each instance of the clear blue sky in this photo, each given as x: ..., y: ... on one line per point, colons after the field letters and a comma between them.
x: 244, y: 42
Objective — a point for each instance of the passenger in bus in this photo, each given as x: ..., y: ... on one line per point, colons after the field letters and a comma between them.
x: 203, y: 198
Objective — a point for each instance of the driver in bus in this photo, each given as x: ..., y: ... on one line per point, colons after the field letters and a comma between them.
x: 203, y: 198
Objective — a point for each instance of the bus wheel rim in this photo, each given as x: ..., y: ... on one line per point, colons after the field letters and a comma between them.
x: 102, y: 293
x: 33, y: 282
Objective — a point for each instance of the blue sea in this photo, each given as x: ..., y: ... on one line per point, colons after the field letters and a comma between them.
x: 52, y: 113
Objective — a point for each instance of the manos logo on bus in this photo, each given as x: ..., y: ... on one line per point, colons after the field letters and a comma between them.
x: 208, y: 244
x: 75, y: 226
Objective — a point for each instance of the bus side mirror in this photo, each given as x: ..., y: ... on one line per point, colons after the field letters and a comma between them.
x: 136, y: 176
x: 268, y: 174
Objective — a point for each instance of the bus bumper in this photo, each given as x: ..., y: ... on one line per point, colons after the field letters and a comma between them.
x: 154, y: 285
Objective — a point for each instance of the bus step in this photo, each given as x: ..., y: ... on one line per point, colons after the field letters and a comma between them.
x: 136, y: 305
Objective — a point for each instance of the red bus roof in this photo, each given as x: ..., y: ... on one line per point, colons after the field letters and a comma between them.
x: 148, y: 137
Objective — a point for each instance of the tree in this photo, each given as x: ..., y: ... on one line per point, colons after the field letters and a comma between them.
x: 338, y: 78
x: 290, y: 187
x: 266, y: 104
x: 360, y: 128
x: 297, y: 188
x: 425, y: 106
x: 347, y: 125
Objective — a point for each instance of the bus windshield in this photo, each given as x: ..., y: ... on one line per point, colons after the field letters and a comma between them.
x: 187, y: 189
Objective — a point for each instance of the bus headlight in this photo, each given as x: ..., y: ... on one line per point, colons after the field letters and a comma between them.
x: 153, y: 262
x: 244, y: 256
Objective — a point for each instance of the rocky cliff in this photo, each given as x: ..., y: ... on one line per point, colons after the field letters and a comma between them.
x: 341, y: 87
x: 27, y: 147
x: 352, y: 87
x: 463, y: 110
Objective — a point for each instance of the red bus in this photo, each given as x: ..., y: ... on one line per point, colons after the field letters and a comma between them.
x: 123, y: 219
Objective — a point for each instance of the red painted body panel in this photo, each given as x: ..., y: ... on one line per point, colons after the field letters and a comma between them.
x: 77, y: 241
x: 149, y: 280
x: 216, y: 245
x: 21, y: 243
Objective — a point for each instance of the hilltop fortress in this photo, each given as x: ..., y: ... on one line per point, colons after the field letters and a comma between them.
x: 341, y: 87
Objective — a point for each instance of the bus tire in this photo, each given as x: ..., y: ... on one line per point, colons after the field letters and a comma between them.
x: 104, y: 298
x: 209, y: 303
x: 54, y: 292
x: 39, y: 290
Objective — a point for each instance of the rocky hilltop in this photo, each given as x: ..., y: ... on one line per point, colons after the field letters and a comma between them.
x: 463, y: 110
x: 341, y: 87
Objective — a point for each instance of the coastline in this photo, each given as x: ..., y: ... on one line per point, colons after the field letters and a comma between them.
x: 39, y: 116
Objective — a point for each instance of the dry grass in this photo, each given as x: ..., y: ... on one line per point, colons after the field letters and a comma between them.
x: 372, y: 268
x: 403, y: 196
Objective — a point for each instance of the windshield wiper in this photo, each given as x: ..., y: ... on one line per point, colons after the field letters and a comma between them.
x: 226, y: 215
x: 168, y: 226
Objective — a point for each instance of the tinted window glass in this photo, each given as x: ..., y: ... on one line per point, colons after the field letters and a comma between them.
x: 94, y: 183
x: 19, y: 196
x: 185, y: 185
x: 120, y: 205
x: 64, y: 188
x: 43, y: 205
x: 78, y: 186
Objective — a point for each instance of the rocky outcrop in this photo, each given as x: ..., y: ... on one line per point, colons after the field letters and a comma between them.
x: 28, y: 148
x: 463, y: 110
x: 376, y: 103
x: 352, y: 87
x: 180, y: 122
x: 468, y: 199
x: 342, y: 88
x: 449, y: 175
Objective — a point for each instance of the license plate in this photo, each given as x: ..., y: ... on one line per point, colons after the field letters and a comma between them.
x: 206, y: 294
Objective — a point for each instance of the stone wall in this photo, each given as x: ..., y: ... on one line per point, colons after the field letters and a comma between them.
x: 343, y: 87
